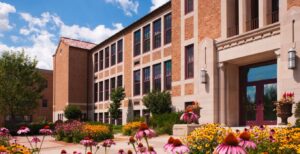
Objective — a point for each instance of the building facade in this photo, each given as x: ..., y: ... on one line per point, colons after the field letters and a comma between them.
x: 231, y: 56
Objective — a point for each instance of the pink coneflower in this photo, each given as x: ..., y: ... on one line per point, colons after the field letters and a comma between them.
x: 35, y: 140
x: 46, y: 130
x: 4, y: 131
x: 63, y: 152
x: 261, y: 127
x: 141, y: 148
x: 189, y: 117
x: 23, y: 130
x: 150, y: 151
x: 230, y: 145
x: 129, y: 152
x: 121, y: 151
x: 87, y: 142
x: 272, y: 132
x: 75, y: 152
x: 245, y: 141
x: 179, y: 148
x: 169, y: 146
x: 144, y: 131
x: 108, y: 143
x: 271, y: 138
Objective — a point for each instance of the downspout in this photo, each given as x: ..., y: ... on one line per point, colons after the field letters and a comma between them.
x: 87, y: 87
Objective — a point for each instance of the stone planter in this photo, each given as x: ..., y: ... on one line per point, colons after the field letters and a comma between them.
x: 182, y: 130
x: 284, y: 111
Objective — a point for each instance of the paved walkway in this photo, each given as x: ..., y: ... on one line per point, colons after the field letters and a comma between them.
x: 51, y: 146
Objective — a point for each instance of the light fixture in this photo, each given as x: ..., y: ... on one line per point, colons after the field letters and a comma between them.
x: 203, y: 76
x: 292, y: 58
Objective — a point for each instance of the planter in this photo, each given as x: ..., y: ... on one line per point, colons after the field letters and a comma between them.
x: 284, y: 111
x: 182, y: 130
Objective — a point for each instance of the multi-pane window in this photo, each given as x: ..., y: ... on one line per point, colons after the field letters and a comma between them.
x: 101, y: 91
x: 120, y: 50
x: 137, y: 82
x: 146, y: 80
x: 157, y: 77
x: 101, y: 60
x: 120, y: 81
x: 168, y: 28
x: 137, y: 42
x: 45, y: 103
x: 96, y: 60
x: 146, y: 38
x: 189, y: 6
x: 168, y: 74
x: 157, y: 34
x: 106, y: 92
x: 107, y: 57
x: 113, y: 54
x: 96, y: 92
x: 189, y: 61
x: 112, y: 84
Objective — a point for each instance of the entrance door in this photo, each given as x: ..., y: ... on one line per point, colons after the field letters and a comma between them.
x: 258, y: 93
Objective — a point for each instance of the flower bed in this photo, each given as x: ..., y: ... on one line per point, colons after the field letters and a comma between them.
x: 210, y: 137
x: 131, y: 128
x: 75, y: 131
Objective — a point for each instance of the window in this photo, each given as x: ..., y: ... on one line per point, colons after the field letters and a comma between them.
x: 113, y: 54
x: 146, y: 38
x: 157, y: 77
x: 146, y: 80
x: 120, y: 51
x: 112, y: 84
x: 101, y: 91
x: 106, y: 93
x: 95, y: 116
x: 189, y: 6
x: 101, y: 60
x: 168, y: 75
x: 157, y: 34
x: 189, y: 61
x: 107, y: 57
x: 45, y: 103
x: 168, y: 30
x: 101, y: 117
x: 137, y: 82
x: 96, y: 60
x: 137, y: 42
x: 120, y: 81
x: 96, y: 92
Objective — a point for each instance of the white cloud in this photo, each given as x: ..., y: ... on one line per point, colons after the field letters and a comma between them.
x: 157, y: 3
x: 128, y: 6
x: 5, y: 10
x: 14, y: 38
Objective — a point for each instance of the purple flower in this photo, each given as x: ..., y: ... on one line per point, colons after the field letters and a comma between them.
x: 189, y: 117
x: 245, y: 141
x: 108, y: 143
x: 271, y: 138
x: 179, y: 148
x: 4, y: 131
x: 121, y: 151
x: 87, y: 142
x: 150, y: 151
x: 230, y: 145
x: 23, y: 130
x: 272, y: 132
x: 144, y: 131
x: 169, y: 146
x: 35, y: 140
x: 141, y: 148
x: 46, y: 130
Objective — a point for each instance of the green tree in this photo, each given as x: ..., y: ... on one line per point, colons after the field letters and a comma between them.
x: 72, y: 112
x: 116, y: 97
x: 158, y: 102
x: 21, y: 84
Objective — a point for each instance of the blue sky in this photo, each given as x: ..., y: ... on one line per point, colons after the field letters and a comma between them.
x: 36, y: 25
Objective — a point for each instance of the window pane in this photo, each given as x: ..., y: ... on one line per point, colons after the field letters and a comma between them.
x: 106, y: 97
x: 101, y: 91
x: 157, y: 77
x: 120, y: 51
x: 137, y: 42
x: 189, y: 6
x: 101, y: 60
x: 112, y: 84
x: 262, y: 73
x: 120, y: 81
x: 96, y: 92
x: 137, y: 82
x: 107, y: 57
x: 146, y: 38
x: 146, y: 80
x: 157, y: 34
x: 113, y: 54
x: 96, y: 60
x: 189, y: 61
x: 168, y: 30
x: 168, y: 75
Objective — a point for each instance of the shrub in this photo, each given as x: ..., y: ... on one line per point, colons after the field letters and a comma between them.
x: 297, y: 111
x: 158, y: 102
x: 163, y: 123
x: 116, y: 97
x: 34, y: 127
x: 72, y: 112
x: 97, y: 132
x: 131, y: 128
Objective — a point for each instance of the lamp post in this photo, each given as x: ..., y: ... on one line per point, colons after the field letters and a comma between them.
x: 203, y: 76
x: 292, y: 58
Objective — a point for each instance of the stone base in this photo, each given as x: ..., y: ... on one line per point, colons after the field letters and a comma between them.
x: 184, y: 129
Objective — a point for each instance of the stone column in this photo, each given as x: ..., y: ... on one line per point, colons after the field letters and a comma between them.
x: 224, y: 25
x: 262, y: 13
x: 222, y: 94
x: 242, y: 16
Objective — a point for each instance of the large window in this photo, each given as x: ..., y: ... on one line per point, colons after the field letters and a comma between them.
x: 120, y: 81
x: 107, y: 57
x: 96, y: 92
x: 157, y: 34
x: 168, y: 75
x: 112, y: 84
x: 96, y: 60
x: 168, y: 28
x: 113, y: 54
x: 146, y: 38
x: 137, y: 42
x: 101, y: 91
x: 120, y: 50
x: 189, y: 61
x: 106, y: 86
x: 101, y: 60
x: 189, y: 6
x: 146, y: 80
x: 157, y: 77
x: 137, y: 82
x: 44, y: 103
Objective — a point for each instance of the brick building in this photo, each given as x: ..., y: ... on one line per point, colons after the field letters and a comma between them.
x: 229, y: 55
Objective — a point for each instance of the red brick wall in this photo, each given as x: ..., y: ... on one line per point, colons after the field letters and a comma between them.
x: 292, y: 3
